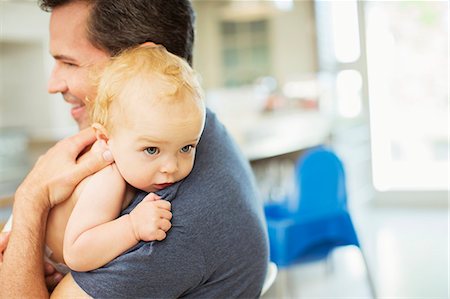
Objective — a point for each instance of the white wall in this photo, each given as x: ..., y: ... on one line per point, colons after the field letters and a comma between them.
x: 292, y: 39
x: 207, y: 43
x: 25, y: 65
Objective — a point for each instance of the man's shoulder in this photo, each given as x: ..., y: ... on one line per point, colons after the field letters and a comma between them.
x: 221, y: 178
x: 214, y: 129
x: 218, y: 152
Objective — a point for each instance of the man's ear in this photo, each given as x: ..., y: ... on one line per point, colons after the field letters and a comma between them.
x: 149, y: 44
x: 100, y: 132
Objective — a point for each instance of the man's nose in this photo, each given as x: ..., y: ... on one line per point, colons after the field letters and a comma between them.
x: 56, y: 82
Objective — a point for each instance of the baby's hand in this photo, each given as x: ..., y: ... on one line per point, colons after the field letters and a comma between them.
x: 151, y: 218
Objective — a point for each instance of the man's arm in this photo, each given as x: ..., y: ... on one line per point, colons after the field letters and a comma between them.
x: 50, y: 182
x: 52, y: 277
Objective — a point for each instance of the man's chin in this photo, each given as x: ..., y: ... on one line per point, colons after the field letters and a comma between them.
x: 80, y: 116
x: 82, y: 124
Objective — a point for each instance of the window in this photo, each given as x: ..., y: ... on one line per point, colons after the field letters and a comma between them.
x: 340, y: 57
x: 407, y: 55
x: 245, y: 54
x: 390, y: 59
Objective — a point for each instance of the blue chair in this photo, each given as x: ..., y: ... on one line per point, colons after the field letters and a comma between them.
x: 320, y: 221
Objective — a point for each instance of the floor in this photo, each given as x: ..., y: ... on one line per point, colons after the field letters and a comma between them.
x: 407, y: 252
x: 406, y: 246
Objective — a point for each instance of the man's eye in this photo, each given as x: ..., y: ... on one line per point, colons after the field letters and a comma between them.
x: 186, y: 149
x: 70, y: 64
x: 152, y: 150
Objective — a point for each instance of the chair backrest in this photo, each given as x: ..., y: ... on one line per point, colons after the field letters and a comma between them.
x: 321, y: 182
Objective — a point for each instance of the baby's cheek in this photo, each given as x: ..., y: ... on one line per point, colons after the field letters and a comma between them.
x: 140, y: 179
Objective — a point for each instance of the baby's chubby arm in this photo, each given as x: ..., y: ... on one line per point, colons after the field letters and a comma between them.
x: 94, y: 236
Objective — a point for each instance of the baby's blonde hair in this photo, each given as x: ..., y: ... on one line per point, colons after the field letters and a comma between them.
x: 142, y: 62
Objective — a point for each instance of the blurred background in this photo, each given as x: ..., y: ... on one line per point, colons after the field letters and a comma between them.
x: 369, y: 79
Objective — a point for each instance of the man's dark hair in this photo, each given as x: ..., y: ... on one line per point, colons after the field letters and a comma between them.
x: 115, y: 25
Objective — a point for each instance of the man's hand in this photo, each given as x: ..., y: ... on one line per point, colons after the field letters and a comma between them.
x: 51, y: 181
x: 56, y: 174
x: 52, y: 277
x: 151, y: 218
x: 4, y: 238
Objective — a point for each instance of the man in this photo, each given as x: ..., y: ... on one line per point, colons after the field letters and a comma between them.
x: 217, y: 247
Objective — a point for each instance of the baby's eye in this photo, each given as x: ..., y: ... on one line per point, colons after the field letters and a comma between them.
x: 186, y: 149
x: 151, y: 150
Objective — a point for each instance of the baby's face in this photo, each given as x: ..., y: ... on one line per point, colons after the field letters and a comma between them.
x: 154, y: 142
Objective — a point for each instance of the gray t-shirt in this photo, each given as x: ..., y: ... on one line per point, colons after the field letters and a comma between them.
x: 217, y: 246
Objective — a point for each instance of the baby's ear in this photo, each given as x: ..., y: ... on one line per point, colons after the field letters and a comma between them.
x: 100, y: 132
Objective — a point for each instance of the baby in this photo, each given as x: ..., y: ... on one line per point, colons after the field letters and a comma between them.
x: 150, y: 113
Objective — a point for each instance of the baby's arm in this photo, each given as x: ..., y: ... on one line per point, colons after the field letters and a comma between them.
x: 94, y: 236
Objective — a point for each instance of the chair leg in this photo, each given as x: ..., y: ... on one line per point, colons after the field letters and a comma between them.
x: 329, y: 264
x: 370, y: 280
x: 282, y: 284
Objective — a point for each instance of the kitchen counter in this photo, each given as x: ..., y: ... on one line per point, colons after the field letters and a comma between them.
x: 14, y: 169
x: 273, y: 134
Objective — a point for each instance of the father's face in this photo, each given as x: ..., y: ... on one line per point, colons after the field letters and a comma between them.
x: 74, y: 57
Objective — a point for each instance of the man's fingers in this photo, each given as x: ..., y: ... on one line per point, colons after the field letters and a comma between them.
x: 4, y: 238
x: 52, y: 280
x: 52, y: 277
x: 92, y: 162
x: 49, y: 269
x: 81, y: 140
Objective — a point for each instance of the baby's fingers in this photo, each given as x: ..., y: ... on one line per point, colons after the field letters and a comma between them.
x: 160, y: 235
x: 165, y: 214
x: 152, y: 197
x: 165, y: 225
x: 163, y: 204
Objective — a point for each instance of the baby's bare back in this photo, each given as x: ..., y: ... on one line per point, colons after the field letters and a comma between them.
x: 59, y: 216
x: 57, y: 222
